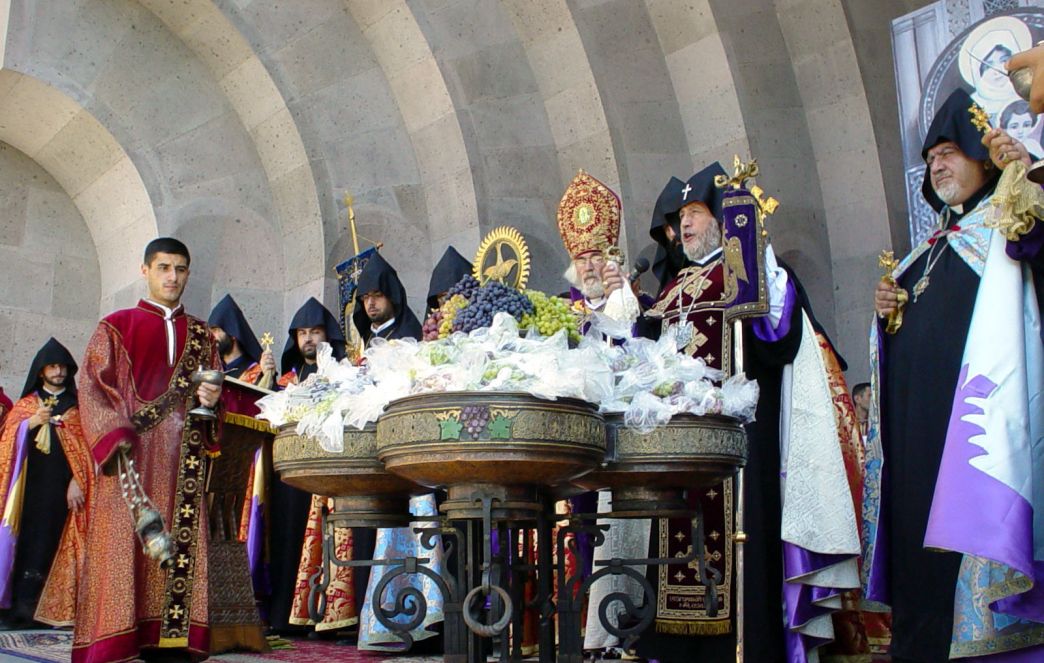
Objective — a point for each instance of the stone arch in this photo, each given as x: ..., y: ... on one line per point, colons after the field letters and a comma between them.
x: 848, y: 168
x: 431, y: 119
x: 262, y: 108
x: 50, y: 283
x: 89, y: 163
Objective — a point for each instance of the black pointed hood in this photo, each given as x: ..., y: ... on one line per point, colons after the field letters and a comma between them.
x: 670, y: 258
x: 311, y: 314
x: 378, y: 275
x: 229, y: 317
x: 52, y: 352
x: 452, y: 267
x: 953, y: 122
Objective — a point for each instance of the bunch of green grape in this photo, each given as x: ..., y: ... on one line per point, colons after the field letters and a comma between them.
x: 549, y: 315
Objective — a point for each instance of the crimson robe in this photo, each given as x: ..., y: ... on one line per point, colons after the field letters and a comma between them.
x: 130, y: 392
x: 57, y: 602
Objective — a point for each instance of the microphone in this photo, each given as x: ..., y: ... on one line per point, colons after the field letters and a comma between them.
x: 641, y: 265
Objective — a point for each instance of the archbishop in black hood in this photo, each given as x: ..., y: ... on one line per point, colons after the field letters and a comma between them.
x: 452, y: 267
x: 311, y: 314
x: 52, y: 352
x: 379, y: 276
x: 670, y: 258
x: 954, y: 123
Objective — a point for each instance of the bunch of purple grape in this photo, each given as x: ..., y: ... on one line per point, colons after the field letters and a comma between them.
x: 430, y: 328
x: 487, y: 301
x: 475, y: 418
x: 465, y: 287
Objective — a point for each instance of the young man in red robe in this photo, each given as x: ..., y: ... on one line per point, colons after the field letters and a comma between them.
x: 135, y: 393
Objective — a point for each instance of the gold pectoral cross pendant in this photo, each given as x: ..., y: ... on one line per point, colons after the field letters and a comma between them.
x: 919, y: 287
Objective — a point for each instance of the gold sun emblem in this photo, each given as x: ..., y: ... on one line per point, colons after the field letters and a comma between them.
x: 503, y: 256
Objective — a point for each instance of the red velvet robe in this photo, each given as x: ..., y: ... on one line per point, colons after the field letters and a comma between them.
x: 129, y: 392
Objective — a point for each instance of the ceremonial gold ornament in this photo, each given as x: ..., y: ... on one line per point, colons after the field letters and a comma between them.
x: 741, y: 172
x: 266, y: 345
x: 888, y: 263
x: 491, y: 264
x: 980, y: 119
x: 43, y: 436
x: 1017, y: 202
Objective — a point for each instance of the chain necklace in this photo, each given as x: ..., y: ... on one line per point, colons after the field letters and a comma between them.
x: 686, y: 330
x: 929, y: 264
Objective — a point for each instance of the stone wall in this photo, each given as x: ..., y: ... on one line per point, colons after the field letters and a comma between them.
x: 50, y: 283
x: 239, y: 125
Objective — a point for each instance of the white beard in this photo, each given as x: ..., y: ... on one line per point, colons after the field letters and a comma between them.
x: 704, y: 244
x: 948, y: 191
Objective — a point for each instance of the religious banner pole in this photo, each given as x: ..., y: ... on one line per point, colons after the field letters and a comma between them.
x: 740, y: 536
x: 744, y: 243
x: 355, y: 342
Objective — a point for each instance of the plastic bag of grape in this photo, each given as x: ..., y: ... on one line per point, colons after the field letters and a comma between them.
x: 471, y: 306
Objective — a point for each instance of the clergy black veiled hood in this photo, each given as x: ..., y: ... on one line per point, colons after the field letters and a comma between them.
x: 228, y: 316
x: 52, y: 352
x: 670, y: 258
x: 380, y: 276
x: 451, y: 268
x: 953, y: 122
x: 312, y: 314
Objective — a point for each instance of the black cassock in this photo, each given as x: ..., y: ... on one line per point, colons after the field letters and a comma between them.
x: 920, y: 365
x: 46, y: 482
x: 289, y: 507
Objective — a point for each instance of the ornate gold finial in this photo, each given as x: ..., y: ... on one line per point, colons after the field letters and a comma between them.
x: 768, y: 204
x: 888, y: 263
x: 513, y: 270
x: 267, y: 341
x: 741, y: 172
x: 980, y: 119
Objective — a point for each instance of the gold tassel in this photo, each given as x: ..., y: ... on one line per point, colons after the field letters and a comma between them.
x: 266, y: 380
x: 43, y: 438
x: 244, y: 421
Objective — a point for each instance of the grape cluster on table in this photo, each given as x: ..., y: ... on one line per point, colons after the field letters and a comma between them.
x: 471, y: 306
x: 487, y: 301
x: 549, y: 315
x: 431, y: 325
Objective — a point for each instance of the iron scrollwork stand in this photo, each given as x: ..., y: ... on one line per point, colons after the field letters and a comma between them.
x: 571, y: 590
x: 409, y: 601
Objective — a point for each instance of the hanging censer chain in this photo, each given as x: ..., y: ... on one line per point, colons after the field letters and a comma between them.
x: 148, y: 523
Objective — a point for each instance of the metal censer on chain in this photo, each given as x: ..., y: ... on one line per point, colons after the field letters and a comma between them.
x: 148, y: 523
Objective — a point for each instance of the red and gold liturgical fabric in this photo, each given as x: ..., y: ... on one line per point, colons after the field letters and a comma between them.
x: 696, y: 297
x: 130, y: 393
x: 340, y: 594
x: 57, y: 605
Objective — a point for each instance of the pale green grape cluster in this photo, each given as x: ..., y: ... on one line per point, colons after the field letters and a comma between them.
x: 549, y: 315
x: 449, y: 313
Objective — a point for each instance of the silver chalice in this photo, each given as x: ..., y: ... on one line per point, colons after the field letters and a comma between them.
x: 208, y: 376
